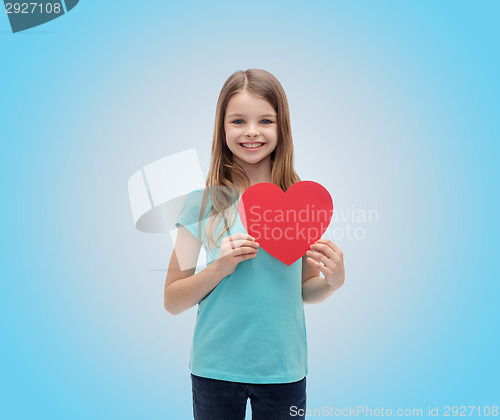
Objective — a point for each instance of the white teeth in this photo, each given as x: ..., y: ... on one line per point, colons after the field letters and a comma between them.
x: 252, y: 145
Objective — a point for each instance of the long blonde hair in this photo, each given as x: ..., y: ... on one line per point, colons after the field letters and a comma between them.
x: 225, y: 174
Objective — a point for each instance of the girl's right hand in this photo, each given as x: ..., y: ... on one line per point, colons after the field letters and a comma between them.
x: 234, y: 249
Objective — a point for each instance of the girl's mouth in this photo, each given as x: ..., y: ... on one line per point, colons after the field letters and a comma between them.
x: 252, y: 146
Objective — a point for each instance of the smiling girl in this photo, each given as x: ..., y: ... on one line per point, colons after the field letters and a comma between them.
x: 250, y: 336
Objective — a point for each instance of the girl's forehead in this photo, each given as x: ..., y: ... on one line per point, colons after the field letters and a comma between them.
x: 246, y: 98
x: 251, y: 106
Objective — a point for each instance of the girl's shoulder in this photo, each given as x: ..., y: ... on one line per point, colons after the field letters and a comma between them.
x: 190, y: 210
x: 194, y: 200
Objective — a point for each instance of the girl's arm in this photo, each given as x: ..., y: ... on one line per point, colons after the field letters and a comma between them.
x: 325, y: 257
x: 315, y: 289
x: 183, y: 288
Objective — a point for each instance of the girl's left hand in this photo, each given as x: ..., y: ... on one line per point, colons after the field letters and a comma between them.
x: 329, y: 259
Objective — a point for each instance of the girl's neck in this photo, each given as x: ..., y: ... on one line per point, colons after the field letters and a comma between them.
x: 258, y: 172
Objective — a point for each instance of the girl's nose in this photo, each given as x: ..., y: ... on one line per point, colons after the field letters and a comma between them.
x: 252, y: 131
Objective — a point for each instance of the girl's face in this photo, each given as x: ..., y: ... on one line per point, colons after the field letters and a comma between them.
x: 251, y: 128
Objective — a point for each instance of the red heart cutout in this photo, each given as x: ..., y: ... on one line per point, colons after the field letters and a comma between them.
x: 286, y: 224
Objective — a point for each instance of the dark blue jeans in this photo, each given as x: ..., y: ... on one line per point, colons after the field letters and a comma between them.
x: 214, y: 399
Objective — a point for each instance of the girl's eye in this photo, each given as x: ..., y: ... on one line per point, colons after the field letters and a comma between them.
x: 268, y: 122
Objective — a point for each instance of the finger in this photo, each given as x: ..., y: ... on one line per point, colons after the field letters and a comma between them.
x: 235, y: 237
x: 324, y: 249
x: 318, y: 256
x: 241, y: 242
x: 246, y: 256
x: 244, y: 250
x: 230, y: 240
x: 331, y: 245
x: 241, y: 235
x: 316, y: 264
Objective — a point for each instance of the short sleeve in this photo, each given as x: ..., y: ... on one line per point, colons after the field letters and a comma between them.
x: 189, y: 216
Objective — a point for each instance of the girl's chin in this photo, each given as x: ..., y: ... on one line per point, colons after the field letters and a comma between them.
x: 251, y: 160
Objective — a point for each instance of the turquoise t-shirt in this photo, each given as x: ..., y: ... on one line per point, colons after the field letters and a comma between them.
x: 251, y: 327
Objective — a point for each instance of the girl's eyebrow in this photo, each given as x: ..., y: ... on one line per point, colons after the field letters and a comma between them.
x: 242, y: 115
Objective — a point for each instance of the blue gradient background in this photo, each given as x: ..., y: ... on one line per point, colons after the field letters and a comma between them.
x: 394, y: 107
